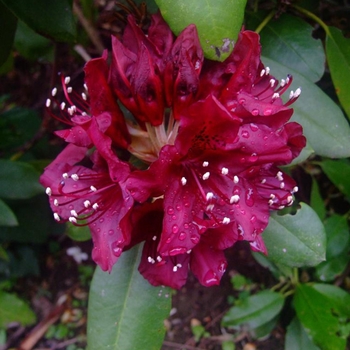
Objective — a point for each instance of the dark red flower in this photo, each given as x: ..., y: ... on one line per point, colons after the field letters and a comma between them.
x: 191, y: 168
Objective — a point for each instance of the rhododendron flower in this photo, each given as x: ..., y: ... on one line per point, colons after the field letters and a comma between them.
x: 192, y: 164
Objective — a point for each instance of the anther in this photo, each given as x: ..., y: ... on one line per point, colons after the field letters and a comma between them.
x: 95, y: 206
x: 159, y: 258
x: 154, y: 238
x: 183, y: 181
x: 85, y: 87
x: 263, y: 181
x: 62, y: 106
x: 48, y: 191
x: 275, y: 95
x: 205, y: 164
x: 87, y: 204
x: 226, y: 220
x: 295, y: 189
x: 48, y: 103
x: 66, y: 80
x: 206, y: 175
x: 54, y: 92
x: 69, y: 89
x: 272, y: 82
x: 75, y: 177
x: 65, y: 175
x: 262, y: 73
x: 83, y: 95
x: 209, y: 196
x: 234, y: 199
x: 283, y: 82
x: 236, y: 179
x: 282, y: 185
x: 297, y: 92
x: 291, y: 94
x: 210, y: 207
x: 279, y: 176
x: 56, y: 217
x: 55, y: 203
x: 267, y: 70
x: 93, y: 188
x: 72, y: 219
x: 224, y: 171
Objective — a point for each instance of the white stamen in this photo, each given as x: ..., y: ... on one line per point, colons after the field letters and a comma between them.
x: 54, y: 92
x: 151, y: 260
x: 282, y: 185
x: 189, y: 251
x: 56, y: 217
x: 297, y: 92
x: 283, y: 82
x: 209, y: 196
x: 272, y: 196
x: 154, y: 238
x: 205, y: 164
x: 279, y: 176
x: 234, y: 199
x: 224, y: 171
x: 295, y: 189
x: 271, y: 202
x: 290, y: 199
x: 226, y: 220
x: 87, y: 203
x: 183, y: 181
x: 55, y: 203
x: 85, y: 87
x: 48, y: 191
x: 95, y: 206
x: 48, y: 103
x: 66, y: 80
x: 69, y: 89
x: 72, y: 219
x: 62, y: 106
x: 291, y: 94
x: 75, y: 177
x: 275, y: 95
x: 263, y: 181
x: 159, y: 258
x: 281, y: 207
x: 206, y: 175
x: 93, y: 188
x: 210, y: 207
x: 236, y: 179
x: 267, y: 70
x: 262, y: 73
x: 83, y: 95
x: 272, y: 82
x: 65, y: 175
x: 73, y: 213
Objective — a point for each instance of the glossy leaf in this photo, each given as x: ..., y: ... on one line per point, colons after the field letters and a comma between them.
x: 338, y: 171
x: 125, y: 311
x: 8, y: 29
x: 78, y: 233
x: 53, y: 18
x: 255, y: 310
x: 218, y: 22
x: 7, y: 216
x: 13, y: 309
x: 296, y: 240
x: 315, y: 312
x: 338, y: 240
x: 324, y: 124
x: 18, y: 180
x: 297, y: 338
x: 338, y: 57
x: 289, y: 41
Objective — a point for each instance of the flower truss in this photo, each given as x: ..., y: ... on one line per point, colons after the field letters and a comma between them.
x: 173, y: 150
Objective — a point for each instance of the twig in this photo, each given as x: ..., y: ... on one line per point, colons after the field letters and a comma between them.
x: 90, y: 30
x: 180, y: 346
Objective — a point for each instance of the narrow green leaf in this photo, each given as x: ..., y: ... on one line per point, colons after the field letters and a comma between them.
x: 7, y: 216
x: 315, y: 312
x: 125, y: 311
x: 296, y: 240
x: 218, y: 22
x: 289, y: 41
x: 338, y: 171
x: 52, y: 18
x: 324, y: 124
x: 338, y: 56
x: 316, y: 201
x: 297, y: 338
x: 7, y: 33
x: 18, y: 180
x: 13, y: 309
x: 255, y: 310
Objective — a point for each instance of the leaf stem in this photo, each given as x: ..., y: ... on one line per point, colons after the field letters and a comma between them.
x: 314, y: 18
x: 264, y: 22
x: 295, y: 277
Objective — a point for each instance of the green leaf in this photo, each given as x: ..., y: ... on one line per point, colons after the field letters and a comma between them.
x: 53, y: 18
x: 8, y: 29
x: 7, y: 216
x: 297, y: 338
x: 324, y: 124
x: 289, y: 41
x: 78, y: 233
x: 315, y: 312
x: 218, y: 22
x: 296, y: 240
x: 13, y: 309
x: 338, y: 171
x: 255, y: 311
x: 18, y: 180
x: 316, y: 201
x: 338, y: 56
x: 125, y: 311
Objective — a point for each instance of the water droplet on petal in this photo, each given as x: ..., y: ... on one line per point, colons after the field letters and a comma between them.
x: 194, y: 239
x: 253, y: 218
x: 245, y: 134
x: 111, y: 232
x: 255, y: 112
x: 182, y: 236
x: 170, y: 211
x: 211, y: 278
x: 116, y: 249
x: 175, y: 228
x: 254, y: 127
x: 253, y: 158
x: 177, y: 251
x: 267, y: 111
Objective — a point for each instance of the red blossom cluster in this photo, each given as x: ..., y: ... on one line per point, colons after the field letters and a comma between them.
x: 174, y: 150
